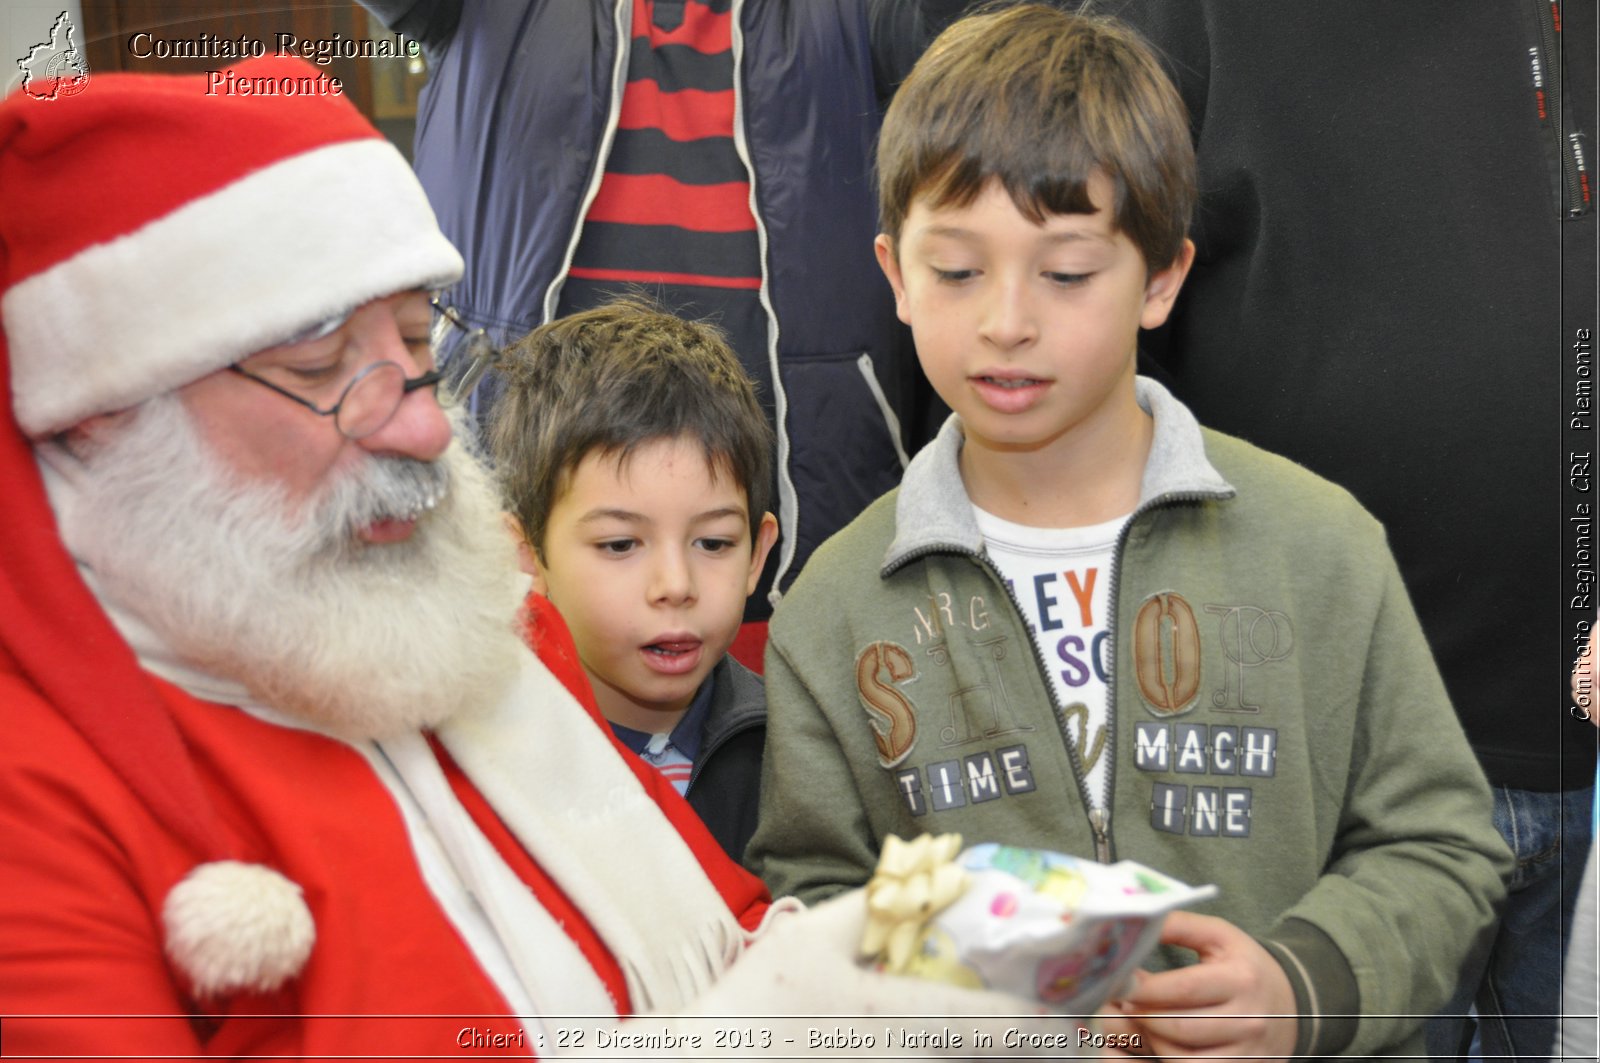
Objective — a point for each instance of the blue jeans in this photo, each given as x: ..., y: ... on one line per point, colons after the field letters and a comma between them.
x: 1518, y: 994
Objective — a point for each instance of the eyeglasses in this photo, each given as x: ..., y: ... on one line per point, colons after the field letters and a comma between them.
x: 375, y: 393
x: 367, y: 402
x: 463, y: 363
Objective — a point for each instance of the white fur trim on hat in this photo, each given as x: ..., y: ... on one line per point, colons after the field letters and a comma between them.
x: 221, y: 277
x: 234, y: 927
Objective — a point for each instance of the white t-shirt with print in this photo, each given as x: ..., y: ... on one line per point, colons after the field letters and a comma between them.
x: 1061, y: 579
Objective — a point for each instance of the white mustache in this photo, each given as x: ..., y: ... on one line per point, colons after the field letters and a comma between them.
x: 385, y: 488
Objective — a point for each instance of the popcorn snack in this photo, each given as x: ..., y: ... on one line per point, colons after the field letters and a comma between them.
x: 1041, y: 925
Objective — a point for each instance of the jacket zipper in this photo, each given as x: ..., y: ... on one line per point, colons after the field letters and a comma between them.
x: 1572, y: 178
x: 1175, y: 498
x: 1099, y: 819
x: 622, y: 16
x: 788, y: 497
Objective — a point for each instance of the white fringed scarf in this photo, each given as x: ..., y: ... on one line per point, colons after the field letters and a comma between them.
x: 559, y: 786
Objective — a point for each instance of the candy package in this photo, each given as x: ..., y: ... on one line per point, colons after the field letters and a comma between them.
x: 1041, y: 925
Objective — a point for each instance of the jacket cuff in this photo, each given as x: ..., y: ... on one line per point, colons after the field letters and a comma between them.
x: 1326, y: 995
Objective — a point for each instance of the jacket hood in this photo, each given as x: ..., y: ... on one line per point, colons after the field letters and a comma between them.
x: 925, y: 520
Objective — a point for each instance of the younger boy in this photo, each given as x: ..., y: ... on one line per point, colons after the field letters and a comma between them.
x: 636, y: 462
x: 1084, y: 623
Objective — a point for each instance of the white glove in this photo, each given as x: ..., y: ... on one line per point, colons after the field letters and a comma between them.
x: 797, y: 990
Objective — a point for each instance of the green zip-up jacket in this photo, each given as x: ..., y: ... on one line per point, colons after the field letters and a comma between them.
x: 1277, y: 726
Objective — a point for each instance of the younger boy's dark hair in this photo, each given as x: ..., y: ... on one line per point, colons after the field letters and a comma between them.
x: 1041, y: 99
x: 610, y: 380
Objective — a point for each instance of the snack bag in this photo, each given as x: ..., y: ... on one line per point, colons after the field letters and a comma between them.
x: 1041, y: 925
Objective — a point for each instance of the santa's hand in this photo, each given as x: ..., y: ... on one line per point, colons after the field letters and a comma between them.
x: 1236, y: 1001
x: 800, y: 980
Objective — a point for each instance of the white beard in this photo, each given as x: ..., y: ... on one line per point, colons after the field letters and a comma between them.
x: 365, y: 640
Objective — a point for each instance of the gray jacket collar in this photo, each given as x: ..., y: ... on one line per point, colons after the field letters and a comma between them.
x: 933, y: 512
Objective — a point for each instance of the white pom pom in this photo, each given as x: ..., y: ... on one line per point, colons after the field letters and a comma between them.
x: 233, y: 926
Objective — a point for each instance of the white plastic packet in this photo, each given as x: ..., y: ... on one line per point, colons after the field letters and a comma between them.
x: 1044, y: 926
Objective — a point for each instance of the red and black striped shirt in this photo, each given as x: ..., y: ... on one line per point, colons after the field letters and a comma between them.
x: 672, y: 214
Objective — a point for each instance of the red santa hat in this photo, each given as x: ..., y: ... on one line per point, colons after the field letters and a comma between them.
x: 158, y: 228
x: 152, y: 232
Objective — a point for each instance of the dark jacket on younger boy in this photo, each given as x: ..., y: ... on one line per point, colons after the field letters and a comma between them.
x: 725, y: 745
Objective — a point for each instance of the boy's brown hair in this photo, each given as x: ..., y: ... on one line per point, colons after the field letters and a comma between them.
x: 1040, y: 99
x: 615, y: 378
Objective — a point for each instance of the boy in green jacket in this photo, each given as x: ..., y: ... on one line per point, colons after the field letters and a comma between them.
x: 1085, y: 623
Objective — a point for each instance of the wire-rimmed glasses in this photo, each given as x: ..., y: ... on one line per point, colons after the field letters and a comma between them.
x: 372, y: 396
x: 367, y: 403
